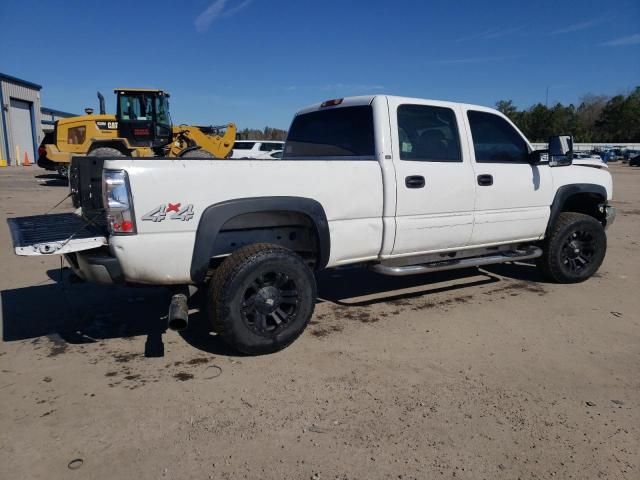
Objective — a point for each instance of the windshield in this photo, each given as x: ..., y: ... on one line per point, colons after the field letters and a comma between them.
x: 136, y: 107
x: 139, y: 106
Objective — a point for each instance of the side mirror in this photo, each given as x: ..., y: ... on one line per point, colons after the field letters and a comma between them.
x: 560, y: 150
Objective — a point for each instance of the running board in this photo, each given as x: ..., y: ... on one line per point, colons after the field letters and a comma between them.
x: 508, y: 256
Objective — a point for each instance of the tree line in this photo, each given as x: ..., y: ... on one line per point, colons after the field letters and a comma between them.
x: 268, y: 133
x: 597, y: 119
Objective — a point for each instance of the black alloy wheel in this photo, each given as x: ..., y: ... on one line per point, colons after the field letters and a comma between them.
x: 270, y: 303
x: 574, y: 249
x: 578, y: 250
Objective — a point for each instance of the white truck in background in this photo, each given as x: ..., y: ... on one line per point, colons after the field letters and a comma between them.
x: 255, y: 148
x: 400, y: 185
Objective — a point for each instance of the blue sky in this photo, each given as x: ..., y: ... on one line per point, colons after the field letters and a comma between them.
x: 255, y: 62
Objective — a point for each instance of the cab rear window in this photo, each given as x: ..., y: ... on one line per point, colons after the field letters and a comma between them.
x: 337, y: 132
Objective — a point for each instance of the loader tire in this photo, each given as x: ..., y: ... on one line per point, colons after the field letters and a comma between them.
x: 105, y: 152
x: 197, y: 153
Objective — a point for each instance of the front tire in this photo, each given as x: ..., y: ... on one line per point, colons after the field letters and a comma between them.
x: 574, y: 250
x: 261, y: 298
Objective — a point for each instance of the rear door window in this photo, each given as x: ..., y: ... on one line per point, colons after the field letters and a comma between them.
x: 337, y: 132
x: 428, y: 133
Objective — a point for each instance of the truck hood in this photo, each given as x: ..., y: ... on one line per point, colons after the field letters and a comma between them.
x: 590, y: 162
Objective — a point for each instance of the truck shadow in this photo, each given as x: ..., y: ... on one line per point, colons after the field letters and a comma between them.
x: 81, y: 313
x: 358, y: 287
x: 523, y: 271
x: 86, y: 313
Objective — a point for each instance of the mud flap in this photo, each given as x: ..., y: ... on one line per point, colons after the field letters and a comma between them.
x: 55, y: 234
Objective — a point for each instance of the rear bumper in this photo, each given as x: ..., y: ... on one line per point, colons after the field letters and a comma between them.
x: 96, y: 267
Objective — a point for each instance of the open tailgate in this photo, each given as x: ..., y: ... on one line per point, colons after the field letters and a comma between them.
x: 55, y: 234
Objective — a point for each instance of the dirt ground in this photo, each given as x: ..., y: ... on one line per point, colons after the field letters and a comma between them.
x: 489, y: 373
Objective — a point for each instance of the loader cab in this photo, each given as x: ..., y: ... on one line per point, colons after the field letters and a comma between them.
x: 143, y: 117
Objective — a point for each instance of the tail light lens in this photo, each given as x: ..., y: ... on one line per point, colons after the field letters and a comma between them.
x: 116, y: 198
x: 41, y: 150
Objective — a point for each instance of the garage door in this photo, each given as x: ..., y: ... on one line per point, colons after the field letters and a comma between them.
x: 21, y: 129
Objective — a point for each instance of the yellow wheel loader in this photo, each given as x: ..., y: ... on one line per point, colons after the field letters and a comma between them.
x: 141, y: 127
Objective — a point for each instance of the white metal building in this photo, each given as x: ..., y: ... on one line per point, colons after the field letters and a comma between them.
x: 23, y: 122
x: 19, y: 120
x: 49, y: 116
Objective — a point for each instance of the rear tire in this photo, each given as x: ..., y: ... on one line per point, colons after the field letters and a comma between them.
x: 105, y: 152
x: 261, y: 298
x: 574, y: 250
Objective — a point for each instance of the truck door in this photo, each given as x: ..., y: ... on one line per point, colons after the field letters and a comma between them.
x: 434, y: 179
x: 513, y: 197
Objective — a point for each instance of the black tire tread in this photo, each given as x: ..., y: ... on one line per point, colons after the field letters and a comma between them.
x: 224, y: 275
x: 548, y: 267
x: 230, y: 264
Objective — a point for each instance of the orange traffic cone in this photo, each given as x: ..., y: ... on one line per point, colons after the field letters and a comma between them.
x: 26, y: 162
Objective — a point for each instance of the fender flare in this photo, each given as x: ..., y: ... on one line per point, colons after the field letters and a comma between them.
x: 215, y: 216
x: 567, y: 191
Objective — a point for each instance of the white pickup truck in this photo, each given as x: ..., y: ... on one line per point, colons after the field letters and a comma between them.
x: 401, y: 185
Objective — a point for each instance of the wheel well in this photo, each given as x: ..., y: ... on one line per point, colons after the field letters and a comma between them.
x: 293, y: 230
x: 586, y: 202
x: 297, y: 223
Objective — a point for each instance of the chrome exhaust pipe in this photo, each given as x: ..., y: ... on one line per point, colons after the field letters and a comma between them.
x: 178, y: 319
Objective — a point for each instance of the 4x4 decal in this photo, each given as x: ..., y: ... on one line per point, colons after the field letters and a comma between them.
x: 160, y: 213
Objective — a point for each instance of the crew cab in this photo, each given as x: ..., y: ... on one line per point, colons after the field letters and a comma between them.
x: 398, y: 185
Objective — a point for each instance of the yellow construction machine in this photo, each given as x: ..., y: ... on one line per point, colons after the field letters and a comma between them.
x: 141, y: 127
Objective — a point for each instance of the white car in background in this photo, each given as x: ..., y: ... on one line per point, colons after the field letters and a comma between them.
x: 274, y: 155
x: 255, y: 148
x: 588, y: 160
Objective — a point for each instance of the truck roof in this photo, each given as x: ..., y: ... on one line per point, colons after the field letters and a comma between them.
x: 367, y: 99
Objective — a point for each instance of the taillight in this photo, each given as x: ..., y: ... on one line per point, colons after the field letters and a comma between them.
x: 116, y: 198
x: 41, y: 150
